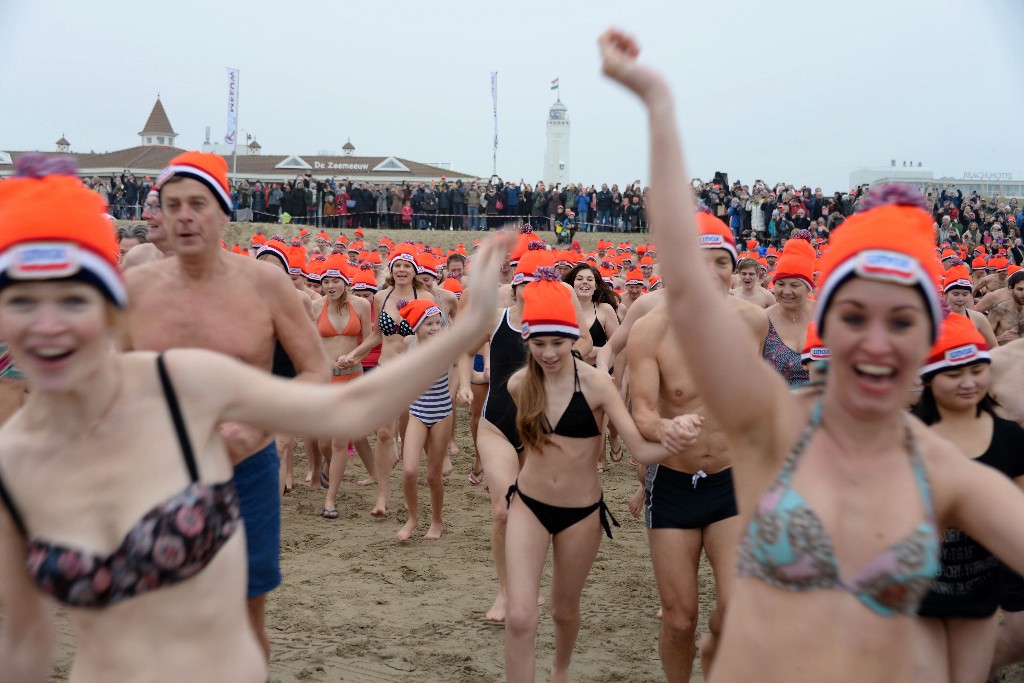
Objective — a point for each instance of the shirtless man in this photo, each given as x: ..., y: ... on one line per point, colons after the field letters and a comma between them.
x: 159, y: 244
x: 994, y: 281
x: 750, y: 289
x: 210, y: 298
x: 1007, y: 318
x: 689, y: 503
x: 634, y: 290
x: 989, y: 301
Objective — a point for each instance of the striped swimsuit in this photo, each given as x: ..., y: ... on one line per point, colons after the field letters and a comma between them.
x: 8, y: 370
x: 435, y: 404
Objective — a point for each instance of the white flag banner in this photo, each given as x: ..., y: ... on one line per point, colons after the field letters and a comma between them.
x: 494, y: 102
x: 229, y: 137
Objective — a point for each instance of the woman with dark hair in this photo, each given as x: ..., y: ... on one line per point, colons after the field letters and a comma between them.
x: 956, y: 636
x: 599, y: 303
x: 556, y: 499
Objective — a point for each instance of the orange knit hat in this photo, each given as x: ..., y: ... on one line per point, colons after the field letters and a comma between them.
x: 453, y: 286
x: 715, y: 234
x: 363, y: 279
x: 52, y: 227
x: 957, y: 277
x: 865, y: 246
x: 414, y: 313
x: 337, y: 266
x: 522, y: 245
x: 814, y: 348
x: 209, y: 169
x: 426, y: 264
x: 535, y: 256
x: 634, y: 277
x: 548, y: 308
x: 403, y: 252
x: 797, y: 261
x: 959, y: 344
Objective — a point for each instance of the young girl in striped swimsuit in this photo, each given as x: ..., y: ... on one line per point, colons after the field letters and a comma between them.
x: 430, y: 418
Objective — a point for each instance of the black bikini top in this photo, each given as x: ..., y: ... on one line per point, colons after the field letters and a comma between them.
x: 577, y: 422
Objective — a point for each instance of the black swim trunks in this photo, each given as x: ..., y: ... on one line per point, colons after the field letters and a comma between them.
x: 680, y: 500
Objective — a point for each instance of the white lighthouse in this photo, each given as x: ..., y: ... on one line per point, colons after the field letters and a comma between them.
x: 556, y: 157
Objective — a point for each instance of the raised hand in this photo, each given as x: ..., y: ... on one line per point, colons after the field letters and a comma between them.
x: 618, y: 62
x: 483, y: 282
x: 681, y: 432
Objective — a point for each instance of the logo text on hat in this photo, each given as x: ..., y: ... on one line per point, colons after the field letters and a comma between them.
x: 712, y: 241
x: 961, y: 354
x: 820, y: 353
x: 44, y: 260
x: 888, y: 265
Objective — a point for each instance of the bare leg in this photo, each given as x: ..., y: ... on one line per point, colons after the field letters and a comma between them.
x: 366, y: 456
x: 502, y: 466
x: 1009, y: 642
x: 437, y: 441
x: 336, y: 473
x: 574, y: 551
x: 528, y: 540
x: 383, y: 463
x: 971, y: 643
x: 286, y: 453
x: 257, y: 610
x: 675, y: 554
x: 720, y: 545
x: 314, y: 461
x: 415, y: 437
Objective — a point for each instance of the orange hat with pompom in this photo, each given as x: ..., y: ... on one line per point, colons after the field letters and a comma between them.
x: 536, y: 256
x: 414, y: 313
x: 864, y: 247
x: 453, y: 286
x: 714, y: 234
x: 54, y: 228
x: 959, y: 344
x: 548, y: 308
x: 209, y: 169
x: 363, y: 278
x: 957, y: 277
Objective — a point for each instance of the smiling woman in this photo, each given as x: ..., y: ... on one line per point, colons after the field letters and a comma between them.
x: 846, y: 553
x: 140, y: 432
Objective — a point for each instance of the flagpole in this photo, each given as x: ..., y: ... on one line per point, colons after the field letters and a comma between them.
x: 234, y: 148
x: 494, y: 104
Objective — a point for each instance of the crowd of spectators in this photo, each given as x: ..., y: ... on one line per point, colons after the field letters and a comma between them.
x: 767, y: 213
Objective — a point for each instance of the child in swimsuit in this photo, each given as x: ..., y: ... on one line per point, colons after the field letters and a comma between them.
x: 430, y: 418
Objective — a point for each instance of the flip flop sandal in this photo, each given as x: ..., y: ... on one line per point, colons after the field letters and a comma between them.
x: 329, y: 514
x: 476, y: 477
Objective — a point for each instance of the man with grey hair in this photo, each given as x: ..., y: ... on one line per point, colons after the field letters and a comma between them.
x: 157, y: 244
x: 129, y: 236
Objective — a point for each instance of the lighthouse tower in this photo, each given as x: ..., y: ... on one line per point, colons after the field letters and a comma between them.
x: 556, y: 157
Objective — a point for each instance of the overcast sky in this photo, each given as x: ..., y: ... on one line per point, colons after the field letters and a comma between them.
x: 796, y: 91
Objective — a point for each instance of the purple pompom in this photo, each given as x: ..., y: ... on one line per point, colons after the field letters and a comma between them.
x: 402, y: 303
x: 704, y: 208
x: 337, y: 250
x: 42, y: 165
x: 319, y: 257
x: 547, y: 273
x: 896, y: 194
x: 537, y: 245
x: 526, y: 229
x: 277, y: 237
x: 296, y: 242
x: 607, y: 265
x: 366, y: 266
x: 801, y: 235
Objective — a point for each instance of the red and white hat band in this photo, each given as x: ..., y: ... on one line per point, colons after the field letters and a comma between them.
x: 967, y: 354
x: 713, y: 241
x: 57, y: 260
x: 196, y: 173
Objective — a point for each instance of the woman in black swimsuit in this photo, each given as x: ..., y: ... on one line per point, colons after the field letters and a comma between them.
x: 556, y: 389
x: 599, y: 303
x: 956, y: 634
x: 143, y: 544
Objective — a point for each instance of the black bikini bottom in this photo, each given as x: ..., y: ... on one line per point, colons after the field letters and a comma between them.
x: 556, y: 519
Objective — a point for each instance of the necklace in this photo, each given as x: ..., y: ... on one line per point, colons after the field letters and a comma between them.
x: 98, y: 420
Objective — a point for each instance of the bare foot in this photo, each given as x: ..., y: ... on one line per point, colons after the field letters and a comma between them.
x: 540, y: 600
x: 497, y: 610
x: 453, y: 449
x: 658, y: 615
x: 636, y: 503
x: 406, y: 531
x: 309, y: 476
x: 708, y: 647
x: 447, y: 467
x: 369, y: 481
x: 434, y: 532
x: 380, y: 509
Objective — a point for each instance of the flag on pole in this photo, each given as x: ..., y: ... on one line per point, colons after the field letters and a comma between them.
x: 494, y: 104
x: 229, y: 136
x: 554, y: 83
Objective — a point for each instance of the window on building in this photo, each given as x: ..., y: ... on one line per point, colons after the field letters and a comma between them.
x: 160, y: 140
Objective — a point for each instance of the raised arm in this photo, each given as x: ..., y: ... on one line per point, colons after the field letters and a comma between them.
x: 708, y: 331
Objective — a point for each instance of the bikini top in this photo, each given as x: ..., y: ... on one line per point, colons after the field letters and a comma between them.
x: 171, y: 543
x: 326, y: 328
x: 786, y: 545
x: 387, y: 324
x: 597, y: 334
x: 784, y: 359
x: 577, y: 421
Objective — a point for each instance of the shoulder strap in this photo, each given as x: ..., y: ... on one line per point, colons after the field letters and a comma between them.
x: 179, y: 422
x: 8, y: 502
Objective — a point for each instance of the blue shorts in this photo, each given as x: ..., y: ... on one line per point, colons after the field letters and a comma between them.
x: 478, y: 363
x: 259, y: 495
